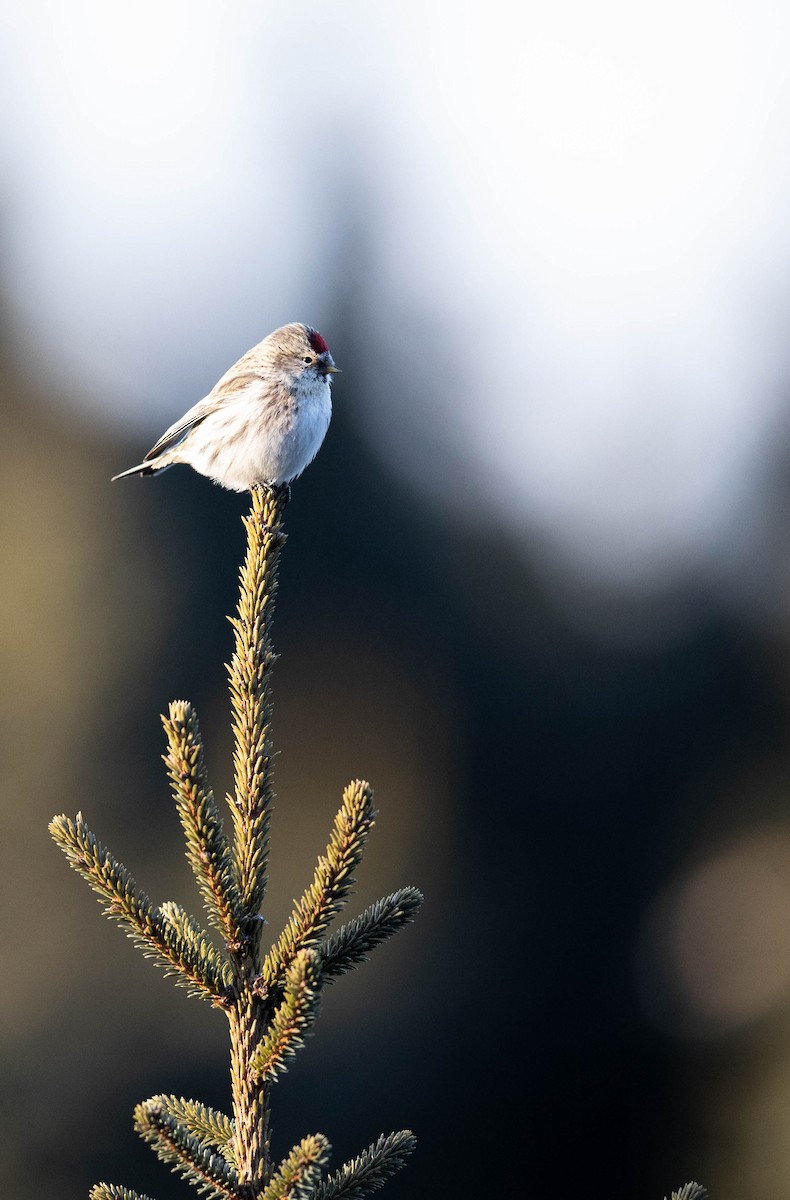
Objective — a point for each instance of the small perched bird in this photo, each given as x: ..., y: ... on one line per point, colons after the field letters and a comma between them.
x: 262, y: 423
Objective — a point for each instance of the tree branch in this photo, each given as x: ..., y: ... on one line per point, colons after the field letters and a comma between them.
x: 194, y: 958
x: 333, y: 880
x: 294, y: 1016
x: 207, y: 847
x: 353, y: 942
x: 370, y: 1169
x: 299, y: 1174
x: 188, y: 1155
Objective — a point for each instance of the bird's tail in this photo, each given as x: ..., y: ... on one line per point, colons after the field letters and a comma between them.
x: 143, y: 468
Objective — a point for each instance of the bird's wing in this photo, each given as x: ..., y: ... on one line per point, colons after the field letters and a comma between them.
x: 225, y: 391
x: 239, y: 376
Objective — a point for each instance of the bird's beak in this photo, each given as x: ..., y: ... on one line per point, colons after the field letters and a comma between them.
x: 326, y: 364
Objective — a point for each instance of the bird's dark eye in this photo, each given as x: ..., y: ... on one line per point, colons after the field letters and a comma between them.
x: 308, y: 359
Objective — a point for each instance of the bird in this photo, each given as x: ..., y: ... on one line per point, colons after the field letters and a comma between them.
x: 262, y: 423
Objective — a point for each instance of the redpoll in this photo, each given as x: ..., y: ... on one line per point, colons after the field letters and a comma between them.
x: 262, y: 423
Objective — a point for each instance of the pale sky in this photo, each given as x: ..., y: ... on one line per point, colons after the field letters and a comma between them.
x: 577, y: 219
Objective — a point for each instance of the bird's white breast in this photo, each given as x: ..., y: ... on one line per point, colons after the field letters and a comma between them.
x: 312, y: 404
x: 255, y: 439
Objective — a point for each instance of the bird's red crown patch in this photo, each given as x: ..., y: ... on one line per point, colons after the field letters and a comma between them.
x: 317, y: 342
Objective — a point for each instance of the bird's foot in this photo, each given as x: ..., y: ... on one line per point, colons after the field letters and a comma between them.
x: 278, y: 491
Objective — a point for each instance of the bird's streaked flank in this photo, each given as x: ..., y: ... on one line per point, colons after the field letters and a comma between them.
x: 262, y: 423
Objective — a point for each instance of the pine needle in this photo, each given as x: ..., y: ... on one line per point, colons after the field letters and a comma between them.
x: 113, y: 1191
x: 369, y: 1170
x: 292, y: 1019
x: 333, y: 880
x: 213, y: 1129
x: 249, y: 675
x: 298, y: 1175
x: 210, y: 1172
x: 194, y: 958
x: 207, y: 847
x: 353, y: 942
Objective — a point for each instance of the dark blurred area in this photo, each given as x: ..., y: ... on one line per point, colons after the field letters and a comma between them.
x: 541, y: 789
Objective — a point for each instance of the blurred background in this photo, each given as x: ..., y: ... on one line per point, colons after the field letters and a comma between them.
x: 537, y: 584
